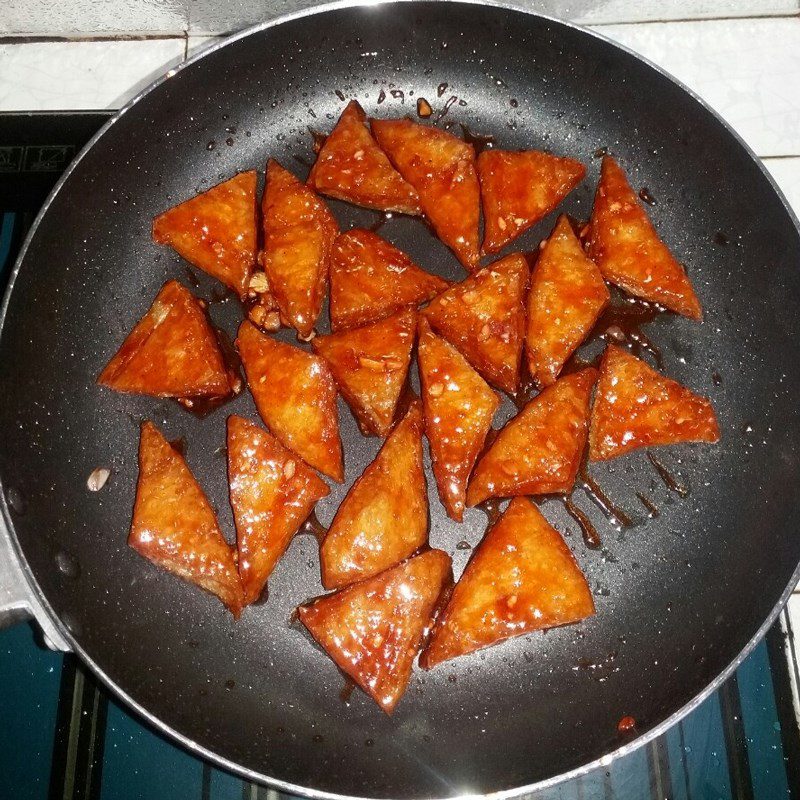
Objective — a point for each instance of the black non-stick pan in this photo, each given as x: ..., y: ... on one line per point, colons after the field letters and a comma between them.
x: 681, y: 597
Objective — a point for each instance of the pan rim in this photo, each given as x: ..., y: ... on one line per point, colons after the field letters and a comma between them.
x: 284, y: 786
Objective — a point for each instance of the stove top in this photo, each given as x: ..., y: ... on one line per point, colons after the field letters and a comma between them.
x: 65, y: 737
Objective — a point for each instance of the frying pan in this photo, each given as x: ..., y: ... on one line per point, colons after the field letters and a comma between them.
x: 681, y: 597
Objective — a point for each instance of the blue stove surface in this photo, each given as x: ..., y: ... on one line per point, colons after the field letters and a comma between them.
x: 65, y: 737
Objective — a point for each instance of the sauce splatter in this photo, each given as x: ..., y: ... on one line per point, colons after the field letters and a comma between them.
x: 670, y: 481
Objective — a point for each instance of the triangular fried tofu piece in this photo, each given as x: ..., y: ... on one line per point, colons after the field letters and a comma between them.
x: 171, y: 352
x: 626, y: 247
x: 384, y: 517
x: 521, y: 578
x: 638, y: 407
x: 174, y: 525
x: 520, y: 188
x: 272, y: 494
x: 459, y: 408
x: 374, y: 630
x: 296, y: 396
x: 371, y: 279
x: 350, y: 166
x: 566, y: 297
x: 298, y: 236
x: 370, y: 366
x: 484, y: 317
x: 441, y: 168
x: 539, y: 451
x: 216, y: 231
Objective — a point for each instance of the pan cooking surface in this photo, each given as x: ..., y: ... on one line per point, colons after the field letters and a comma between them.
x: 678, y: 595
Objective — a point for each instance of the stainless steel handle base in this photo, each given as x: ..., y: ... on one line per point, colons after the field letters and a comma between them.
x: 18, y: 601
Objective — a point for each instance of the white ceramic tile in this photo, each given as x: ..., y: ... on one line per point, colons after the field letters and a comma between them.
x: 93, y: 17
x: 196, y: 43
x: 748, y: 70
x: 81, y: 75
x: 613, y: 11
x: 211, y: 16
x: 786, y: 172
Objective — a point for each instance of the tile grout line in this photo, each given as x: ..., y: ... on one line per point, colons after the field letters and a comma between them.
x: 744, y: 18
x: 122, y: 37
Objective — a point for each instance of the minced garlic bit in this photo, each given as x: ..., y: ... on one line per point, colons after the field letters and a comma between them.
x: 97, y: 479
x: 259, y: 282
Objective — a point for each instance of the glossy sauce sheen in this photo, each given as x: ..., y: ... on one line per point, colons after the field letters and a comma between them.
x: 669, y: 480
x: 350, y: 166
x: 272, y: 492
x: 371, y: 279
x: 441, y: 168
x: 384, y: 517
x: 373, y: 630
x: 171, y: 352
x: 519, y: 189
x: 484, y: 317
x: 314, y: 527
x: 296, y: 396
x: 626, y: 247
x: 621, y: 323
x: 539, y: 451
x: 598, y: 495
x: 521, y: 578
x: 638, y: 407
x: 299, y: 231
x: 459, y: 408
x: 370, y: 366
x: 566, y: 297
x: 591, y: 538
x: 174, y: 525
x: 216, y: 231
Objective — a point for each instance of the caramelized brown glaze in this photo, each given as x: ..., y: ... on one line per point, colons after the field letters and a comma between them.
x: 591, y: 538
x: 566, y: 297
x: 374, y: 629
x: 484, y: 317
x: 639, y: 407
x: 295, y: 395
x: 371, y: 279
x: 668, y: 479
x: 441, y: 168
x: 216, y: 231
x: 314, y: 527
x: 539, y: 451
x: 621, y: 323
x: 521, y: 578
x: 370, y: 366
x: 459, y: 408
x: 171, y: 352
x: 272, y: 492
x: 350, y: 166
x: 519, y: 189
x: 626, y: 247
x: 384, y: 517
x: 299, y: 231
x: 174, y: 525
x: 600, y: 498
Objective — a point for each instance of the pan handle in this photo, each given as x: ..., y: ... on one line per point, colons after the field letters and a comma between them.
x: 18, y: 602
